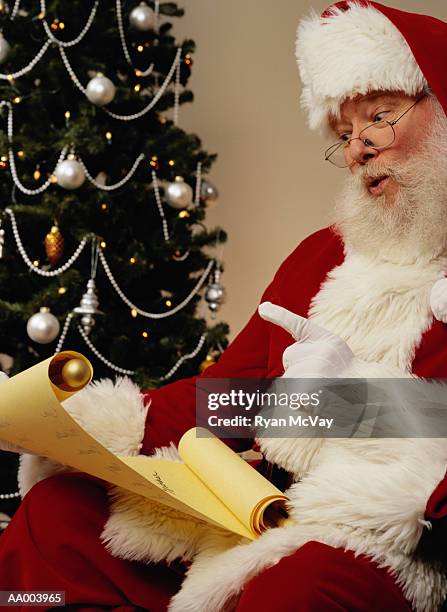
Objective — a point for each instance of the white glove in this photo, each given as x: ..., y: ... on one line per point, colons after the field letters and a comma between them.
x: 317, y: 352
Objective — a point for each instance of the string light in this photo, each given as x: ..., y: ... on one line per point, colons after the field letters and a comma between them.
x: 67, y: 116
x: 137, y: 87
x: 36, y: 174
x: 36, y: 263
x: 138, y: 73
x: 132, y: 260
x: 154, y: 162
x: 134, y: 313
x: 104, y: 206
x: 53, y: 178
x: 102, y: 244
x: 183, y: 213
x: 61, y: 25
x: 62, y: 290
x: 21, y: 153
x: 171, y: 162
x: 168, y: 303
x: 188, y: 60
x: 145, y: 334
x: 109, y: 137
x: 140, y: 48
x: 17, y: 100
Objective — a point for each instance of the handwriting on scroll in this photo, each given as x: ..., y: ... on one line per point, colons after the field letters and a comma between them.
x: 114, y: 468
x: 50, y: 412
x: 89, y: 451
x: 140, y: 485
x: 162, y: 484
x: 67, y: 433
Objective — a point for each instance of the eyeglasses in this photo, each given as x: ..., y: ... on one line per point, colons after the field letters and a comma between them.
x: 378, y: 136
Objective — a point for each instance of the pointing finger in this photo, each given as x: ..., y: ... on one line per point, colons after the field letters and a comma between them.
x: 296, y: 325
x: 299, y: 327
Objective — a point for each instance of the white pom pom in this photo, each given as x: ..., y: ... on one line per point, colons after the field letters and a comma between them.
x: 3, y: 377
x: 438, y: 300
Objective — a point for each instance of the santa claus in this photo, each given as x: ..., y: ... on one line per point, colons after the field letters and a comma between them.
x: 365, y: 297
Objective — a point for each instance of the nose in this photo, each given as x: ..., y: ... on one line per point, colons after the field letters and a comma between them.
x: 359, y: 153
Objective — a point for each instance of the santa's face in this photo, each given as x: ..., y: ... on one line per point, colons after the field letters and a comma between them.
x: 394, y: 202
x: 410, y: 136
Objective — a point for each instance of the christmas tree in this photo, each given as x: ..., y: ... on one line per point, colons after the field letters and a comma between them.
x: 103, y: 249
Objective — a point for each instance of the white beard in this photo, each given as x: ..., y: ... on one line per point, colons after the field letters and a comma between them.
x: 413, y: 225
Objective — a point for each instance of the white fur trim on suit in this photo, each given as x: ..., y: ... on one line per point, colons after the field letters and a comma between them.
x: 438, y: 300
x: 348, y: 53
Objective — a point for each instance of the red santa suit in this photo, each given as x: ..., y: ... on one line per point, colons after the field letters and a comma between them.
x: 361, y: 507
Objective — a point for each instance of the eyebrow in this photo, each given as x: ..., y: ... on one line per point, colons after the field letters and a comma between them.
x: 387, y: 98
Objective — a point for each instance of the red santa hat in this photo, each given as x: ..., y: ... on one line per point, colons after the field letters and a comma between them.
x: 360, y: 46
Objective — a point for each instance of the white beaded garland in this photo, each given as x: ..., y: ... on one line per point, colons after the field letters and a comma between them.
x: 198, y: 184
x: 29, y: 66
x: 154, y: 315
x: 101, y: 357
x: 9, y: 495
x: 120, y: 183
x: 190, y: 355
x: 15, y: 178
x: 74, y: 41
x: 157, y: 195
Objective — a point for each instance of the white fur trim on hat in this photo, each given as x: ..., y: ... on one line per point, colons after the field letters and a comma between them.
x: 348, y: 53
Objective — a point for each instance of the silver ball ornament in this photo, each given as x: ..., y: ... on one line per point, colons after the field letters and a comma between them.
x: 43, y: 327
x: 178, y: 194
x: 100, y: 90
x: 142, y: 18
x: 70, y: 174
x: 209, y: 193
x: 5, y: 48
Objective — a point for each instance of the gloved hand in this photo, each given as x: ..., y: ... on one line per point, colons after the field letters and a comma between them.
x: 317, y: 352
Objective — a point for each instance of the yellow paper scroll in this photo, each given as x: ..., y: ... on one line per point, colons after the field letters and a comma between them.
x: 230, y: 478
x: 213, y: 484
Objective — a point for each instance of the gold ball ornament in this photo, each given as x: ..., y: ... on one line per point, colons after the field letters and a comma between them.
x: 207, y: 362
x: 54, y: 245
x: 76, y: 373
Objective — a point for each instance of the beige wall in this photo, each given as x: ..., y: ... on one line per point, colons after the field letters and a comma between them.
x: 275, y: 188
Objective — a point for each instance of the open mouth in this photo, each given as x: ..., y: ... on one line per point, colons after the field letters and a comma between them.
x: 376, y: 185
